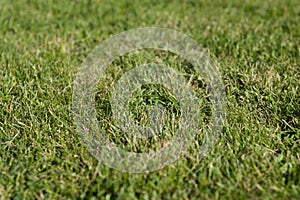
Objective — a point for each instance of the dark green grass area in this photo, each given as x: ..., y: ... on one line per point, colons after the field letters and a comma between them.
x: 255, y: 45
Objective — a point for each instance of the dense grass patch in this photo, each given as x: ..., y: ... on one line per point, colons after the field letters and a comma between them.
x: 256, y: 46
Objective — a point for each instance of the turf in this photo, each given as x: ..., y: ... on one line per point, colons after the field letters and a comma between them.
x: 256, y: 46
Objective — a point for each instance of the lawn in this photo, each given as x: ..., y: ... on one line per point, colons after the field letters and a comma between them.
x: 256, y: 47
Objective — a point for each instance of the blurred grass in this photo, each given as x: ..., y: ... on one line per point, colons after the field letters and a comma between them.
x: 256, y: 46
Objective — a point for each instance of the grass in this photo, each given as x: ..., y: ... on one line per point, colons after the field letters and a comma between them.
x: 256, y: 46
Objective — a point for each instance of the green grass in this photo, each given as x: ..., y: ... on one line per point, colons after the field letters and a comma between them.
x: 256, y: 46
